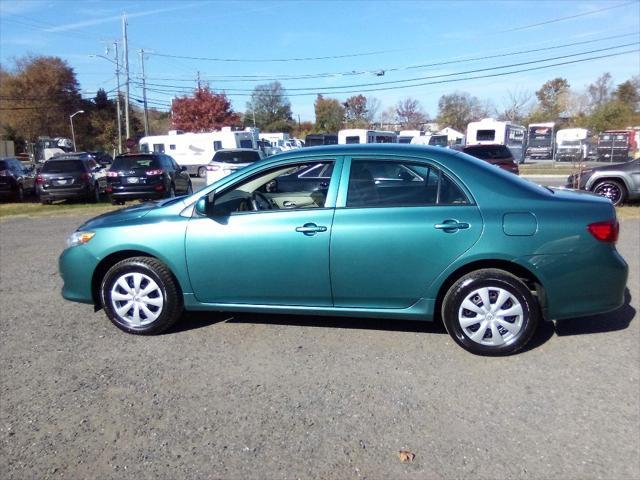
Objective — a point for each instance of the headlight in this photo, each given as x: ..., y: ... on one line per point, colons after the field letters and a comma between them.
x: 79, y: 238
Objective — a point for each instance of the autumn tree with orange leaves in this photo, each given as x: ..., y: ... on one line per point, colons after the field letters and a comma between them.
x: 204, y: 111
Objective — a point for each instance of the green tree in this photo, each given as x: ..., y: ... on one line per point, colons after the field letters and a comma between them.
x: 609, y: 116
x: 37, y: 96
x: 457, y: 109
x: 552, y: 98
x: 599, y: 92
x: 329, y: 114
x: 270, y: 108
x: 629, y: 93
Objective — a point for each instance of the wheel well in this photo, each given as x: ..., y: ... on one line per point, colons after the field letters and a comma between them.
x: 528, y: 278
x: 619, y: 180
x: 108, y: 262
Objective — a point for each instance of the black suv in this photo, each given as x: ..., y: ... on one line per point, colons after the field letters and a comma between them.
x: 70, y: 176
x: 16, y: 181
x: 146, y: 176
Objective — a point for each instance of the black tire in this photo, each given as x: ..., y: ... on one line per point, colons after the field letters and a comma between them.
x: 19, y: 195
x: 171, y: 193
x: 202, y: 172
x: 493, y: 283
x: 166, y: 293
x: 94, y: 195
x: 115, y: 201
x: 614, y: 190
x: 45, y: 201
x: 189, y: 189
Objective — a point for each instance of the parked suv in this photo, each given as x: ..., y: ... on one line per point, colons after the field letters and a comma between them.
x: 70, y: 176
x: 498, y: 155
x: 146, y: 176
x: 16, y: 181
x: 619, y: 182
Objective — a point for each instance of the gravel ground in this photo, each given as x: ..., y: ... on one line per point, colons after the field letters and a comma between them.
x: 287, y: 397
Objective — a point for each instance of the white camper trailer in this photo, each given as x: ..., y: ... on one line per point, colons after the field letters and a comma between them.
x: 494, y: 132
x: 195, y: 150
x: 361, y: 135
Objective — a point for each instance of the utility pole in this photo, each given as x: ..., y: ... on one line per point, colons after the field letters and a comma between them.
x: 126, y: 68
x: 118, y: 110
x: 198, y: 80
x: 144, y: 96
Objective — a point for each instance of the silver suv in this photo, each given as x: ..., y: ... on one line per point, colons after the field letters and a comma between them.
x: 618, y: 182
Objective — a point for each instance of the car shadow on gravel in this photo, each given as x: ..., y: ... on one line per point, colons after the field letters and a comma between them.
x: 607, y: 322
x: 192, y: 320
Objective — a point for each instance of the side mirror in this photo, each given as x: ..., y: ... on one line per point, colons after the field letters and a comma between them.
x: 183, y: 168
x: 201, y: 206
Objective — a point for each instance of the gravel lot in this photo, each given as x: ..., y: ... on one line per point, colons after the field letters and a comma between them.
x: 269, y: 397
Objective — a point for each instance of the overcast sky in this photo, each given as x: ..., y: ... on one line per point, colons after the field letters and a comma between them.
x: 384, y: 49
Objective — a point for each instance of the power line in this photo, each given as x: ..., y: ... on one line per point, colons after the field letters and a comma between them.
x: 392, y: 82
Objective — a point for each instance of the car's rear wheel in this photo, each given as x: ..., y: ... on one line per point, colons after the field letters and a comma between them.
x: 140, y: 296
x: 172, y: 191
x: 202, y: 172
x: 490, y: 312
x: 94, y: 195
x: 19, y: 195
x: 190, y: 189
x: 613, y: 190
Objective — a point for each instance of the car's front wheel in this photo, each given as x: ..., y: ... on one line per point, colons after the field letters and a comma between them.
x: 613, y: 190
x: 490, y: 312
x: 140, y: 296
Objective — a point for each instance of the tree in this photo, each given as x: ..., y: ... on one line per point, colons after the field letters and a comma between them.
x: 356, y: 112
x: 629, y: 93
x: 457, y: 109
x: 599, y: 92
x: 204, y: 111
x: 609, y: 116
x: 552, y: 98
x: 373, y: 106
x: 409, y: 114
x: 329, y: 114
x: 388, y: 118
x: 516, y: 105
x: 37, y: 96
x: 303, y: 129
x: 270, y: 108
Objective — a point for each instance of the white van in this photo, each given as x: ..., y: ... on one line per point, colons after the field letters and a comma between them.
x: 195, y: 150
x: 494, y: 132
x: 361, y: 135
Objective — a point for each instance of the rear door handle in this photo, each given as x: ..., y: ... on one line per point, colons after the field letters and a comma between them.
x: 311, y: 229
x: 451, y: 225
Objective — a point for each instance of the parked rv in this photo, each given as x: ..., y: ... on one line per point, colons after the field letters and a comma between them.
x: 493, y: 132
x: 361, y: 135
x: 572, y: 144
x: 278, y: 139
x: 434, y: 140
x: 317, y: 139
x: 616, y: 145
x: 406, y: 136
x: 195, y: 150
x: 541, y: 141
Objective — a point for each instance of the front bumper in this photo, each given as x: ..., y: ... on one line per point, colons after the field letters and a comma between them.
x: 76, y: 266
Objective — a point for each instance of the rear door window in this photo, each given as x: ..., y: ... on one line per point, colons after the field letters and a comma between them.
x: 134, y: 162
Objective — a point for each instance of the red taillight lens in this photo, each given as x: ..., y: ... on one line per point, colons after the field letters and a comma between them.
x: 159, y: 188
x: 109, y: 189
x: 605, y: 231
x: 85, y: 176
x: 157, y: 171
x: 39, y: 180
x: 112, y: 174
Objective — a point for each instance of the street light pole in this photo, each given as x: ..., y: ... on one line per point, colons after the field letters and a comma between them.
x: 73, y: 135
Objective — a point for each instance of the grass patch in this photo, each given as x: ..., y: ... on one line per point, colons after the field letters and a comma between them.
x: 64, y: 208
x: 541, y: 169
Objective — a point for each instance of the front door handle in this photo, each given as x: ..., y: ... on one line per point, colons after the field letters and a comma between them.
x: 311, y: 229
x: 451, y: 226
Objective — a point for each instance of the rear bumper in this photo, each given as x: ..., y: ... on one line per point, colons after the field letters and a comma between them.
x: 138, y: 191
x: 81, y: 191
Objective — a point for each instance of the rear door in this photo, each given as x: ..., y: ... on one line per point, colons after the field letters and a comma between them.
x: 391, y: 240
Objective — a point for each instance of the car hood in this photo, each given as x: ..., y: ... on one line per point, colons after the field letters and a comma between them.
x: 122, y: 215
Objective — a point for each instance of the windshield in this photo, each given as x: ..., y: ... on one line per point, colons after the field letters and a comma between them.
x: 571, y: 143
x: 540, y: 136
x: 439, y: 140
x: 617, y: 139
x: 62, y: 166
x: 236, y: 157
x: 133, y: 162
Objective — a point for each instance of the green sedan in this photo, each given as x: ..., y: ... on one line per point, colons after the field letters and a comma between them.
x: 378, y: 231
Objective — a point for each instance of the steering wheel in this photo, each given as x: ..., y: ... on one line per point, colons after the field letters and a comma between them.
x: 259, y: 201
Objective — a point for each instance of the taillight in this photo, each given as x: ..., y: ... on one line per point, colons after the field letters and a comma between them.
x: 85, y: 176
x: 4, y: 173
x: 159, y: 188
x: 213, y: 168
x: 39, y: 180
x: 108, y: 189
x: 605, y: 231
x: 112, y: 174
x: 157, y: 171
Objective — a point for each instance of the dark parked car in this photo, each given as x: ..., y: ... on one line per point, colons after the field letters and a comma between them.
x: 146, y: 176
x: 70, y: 176
x: 618, y: 182
x: 498, y: 155
x: 16, y: 180
x: 102, y: 158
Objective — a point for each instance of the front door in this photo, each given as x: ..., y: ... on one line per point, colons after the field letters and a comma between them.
x: 401, y: 225
x: 258, y: 247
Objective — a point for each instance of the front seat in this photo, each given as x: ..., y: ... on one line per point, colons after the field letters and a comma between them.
x: 362, y: 189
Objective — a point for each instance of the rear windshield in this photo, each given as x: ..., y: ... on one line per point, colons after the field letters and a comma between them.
x: 488, y: 152
x: 133, y: 162
x: 236, y: 157
x: 63, y: 166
